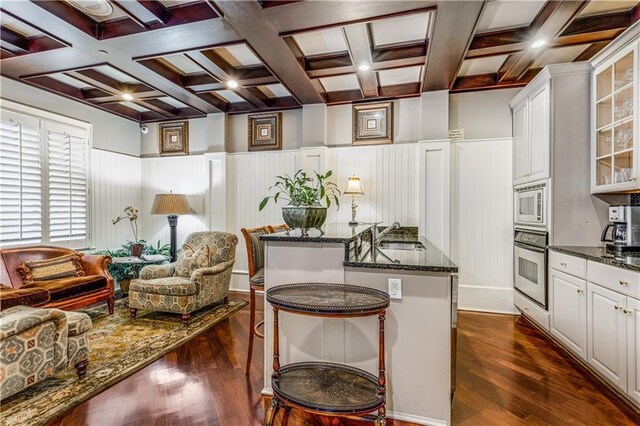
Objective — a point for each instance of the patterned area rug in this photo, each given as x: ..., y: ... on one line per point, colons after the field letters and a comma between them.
x: 119, y: 347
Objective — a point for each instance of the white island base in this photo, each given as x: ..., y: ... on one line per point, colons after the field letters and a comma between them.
x: 417, y: 328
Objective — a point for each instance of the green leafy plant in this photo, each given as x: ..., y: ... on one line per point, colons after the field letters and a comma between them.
x: 164, y: 250
x: 302, y: 190
x: 122, y: 271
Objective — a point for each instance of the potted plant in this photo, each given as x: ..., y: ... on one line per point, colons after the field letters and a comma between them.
x: 305, y: 196
x: 132, y: 215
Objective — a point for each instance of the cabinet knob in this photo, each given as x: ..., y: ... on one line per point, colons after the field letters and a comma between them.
x: 625, y: 311
x: 580, y: 291
x: 622, y: 282
x: 616, y: 307
x: 564, y: 265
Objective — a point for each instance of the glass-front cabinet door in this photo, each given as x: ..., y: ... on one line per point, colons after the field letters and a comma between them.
x: 615, y: 151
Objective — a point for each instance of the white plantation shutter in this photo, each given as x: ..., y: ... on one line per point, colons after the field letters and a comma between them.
x: 67, y: 183
x: 20, y: 179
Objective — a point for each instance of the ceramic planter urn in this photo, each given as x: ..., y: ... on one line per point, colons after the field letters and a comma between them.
x: 304, y: 218
x: 136, y: 250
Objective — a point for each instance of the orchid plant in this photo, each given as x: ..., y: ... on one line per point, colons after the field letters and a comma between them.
x: 131, y: 214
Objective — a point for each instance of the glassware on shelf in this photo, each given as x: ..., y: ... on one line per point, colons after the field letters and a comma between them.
x: 606, y: 180
x: 624, y: 138
x: 624, y: 110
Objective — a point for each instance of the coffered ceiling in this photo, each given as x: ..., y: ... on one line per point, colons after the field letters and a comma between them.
x: 158, y: 60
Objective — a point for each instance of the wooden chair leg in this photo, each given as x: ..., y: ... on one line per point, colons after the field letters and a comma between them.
x: 81, y: 368
x: 110, y: 303
x: 252, y: 321
x: 186, y: 318
x: 133, y: 312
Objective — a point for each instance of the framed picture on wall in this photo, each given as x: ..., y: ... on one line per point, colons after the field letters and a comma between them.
x: 372, y: 123
x: 174, y: 138
x: 265, y: 131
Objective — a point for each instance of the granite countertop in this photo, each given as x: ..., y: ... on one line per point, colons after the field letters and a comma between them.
x: 628, y: 260
x: 333, y: 233
x: 430, y: 259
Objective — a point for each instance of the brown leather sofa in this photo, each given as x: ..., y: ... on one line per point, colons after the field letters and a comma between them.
x: 64, y: 293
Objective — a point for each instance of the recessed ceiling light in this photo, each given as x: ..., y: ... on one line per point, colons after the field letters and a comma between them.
x: 364, y: 67
x: 232, y: 84
x: 127, y: 96
x: 538, y: 43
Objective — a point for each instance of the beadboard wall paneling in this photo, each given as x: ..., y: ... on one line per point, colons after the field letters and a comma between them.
x: 389, y: 179
x: 116, y: 184
x: 482, y: 231
x: 187, y: 175
x: 249, y: 176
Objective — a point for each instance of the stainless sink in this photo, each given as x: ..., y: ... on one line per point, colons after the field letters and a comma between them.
x: 396, y: 245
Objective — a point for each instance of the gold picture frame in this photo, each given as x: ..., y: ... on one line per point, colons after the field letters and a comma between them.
x: 173, y: 138
x: 372, y: 124
x: 265, y: 131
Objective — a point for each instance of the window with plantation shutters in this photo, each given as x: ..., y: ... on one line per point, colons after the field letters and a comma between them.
x: 67, y: 183
x: 44, y: 175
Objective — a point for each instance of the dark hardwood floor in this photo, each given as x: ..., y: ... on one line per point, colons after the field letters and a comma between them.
x: 508, y: 374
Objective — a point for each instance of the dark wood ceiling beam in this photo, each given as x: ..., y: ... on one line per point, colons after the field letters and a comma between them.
x: 213, y: 64
x: 328, y: 61
x: 312, y: 16
x: 359, y: 42
x: 250, y: 22
x: 14, y: 41
x: 400, y: 90
x: 591, y: 51
x: 591, y: 24
x: 489, y: 81
x: 402, y: 52
x: 104, y: 82
x: 454, y: 27
x: 180, y: 14
x: 159, y: 107
x: 552, y: 20
x: 213, y: 100
x: 69, y: 14
x: 129, y: 8
x: 157, y: 10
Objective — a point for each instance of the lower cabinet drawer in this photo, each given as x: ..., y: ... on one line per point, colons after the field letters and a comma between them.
x: 617, y: 279
x: 568, y: 264
x: 532, y: 310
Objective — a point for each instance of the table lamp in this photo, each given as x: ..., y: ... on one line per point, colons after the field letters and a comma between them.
x: 353, y: 189
x: 171, y: 205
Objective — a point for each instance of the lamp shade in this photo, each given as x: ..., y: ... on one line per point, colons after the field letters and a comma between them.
x: 353, y: 186
x: 170, y: 204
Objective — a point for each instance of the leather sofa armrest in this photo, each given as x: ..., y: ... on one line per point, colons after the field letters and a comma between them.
x: 95, y: 264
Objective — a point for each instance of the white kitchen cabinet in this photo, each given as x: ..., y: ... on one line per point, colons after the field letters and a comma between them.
x: 633, y: 349
x: 532, y: 139
x: 614, y: 117
x: 607, y: 334
x: 568, y: 306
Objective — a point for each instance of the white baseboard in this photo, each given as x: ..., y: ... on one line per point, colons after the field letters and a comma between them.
x: 486, y: 299
x: 415, y: 419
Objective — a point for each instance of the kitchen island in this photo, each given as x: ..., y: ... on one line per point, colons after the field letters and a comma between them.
x: 418, y: 332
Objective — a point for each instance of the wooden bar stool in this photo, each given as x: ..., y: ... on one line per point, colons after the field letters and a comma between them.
x: 255, y: 255
x: 277, y: 228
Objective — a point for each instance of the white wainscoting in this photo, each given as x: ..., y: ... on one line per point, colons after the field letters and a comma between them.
x: 389, y: 177
x: 183, y: 175
x: 482, y: 219
x: 249, y: 176
x: 116, y: 184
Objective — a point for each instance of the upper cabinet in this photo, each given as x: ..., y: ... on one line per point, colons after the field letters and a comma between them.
x: 614, y: 116
x: 532, y: 139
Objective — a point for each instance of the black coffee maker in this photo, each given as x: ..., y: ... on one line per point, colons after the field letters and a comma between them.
x: 624, y: 223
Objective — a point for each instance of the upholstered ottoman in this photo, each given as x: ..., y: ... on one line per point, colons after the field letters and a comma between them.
x: 35, y: 343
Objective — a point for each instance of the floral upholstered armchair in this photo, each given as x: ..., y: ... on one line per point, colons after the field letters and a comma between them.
x: 199, y: 277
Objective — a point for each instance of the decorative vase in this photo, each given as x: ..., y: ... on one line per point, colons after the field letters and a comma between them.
x: 136, y: 249
x: 304, y: 218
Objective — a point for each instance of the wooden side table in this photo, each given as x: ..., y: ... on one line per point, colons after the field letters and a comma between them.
x: 323, y: 387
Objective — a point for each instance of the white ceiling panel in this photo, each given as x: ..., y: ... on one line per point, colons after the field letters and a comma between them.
x: 319, y: 42
x: 596, y: 7
x: 340, y: 82
x: 183, y: 64
x: 115, y: 74
x: 242, y: 55
x: 73, y: 82
x: 502, y: 14
x: 403, y: 29
x: 18, y: 26
x: 276, y: 91
x: 230, y: 95
x: 205, y: 87
x: 482, y: 65
x: 559, y: 55
x: 399, y: 76
x: 134, y: 106
x: 173, y: 102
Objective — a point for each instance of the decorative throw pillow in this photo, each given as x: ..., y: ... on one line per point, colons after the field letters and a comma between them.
x: 191, y: 259
x: 68, y: 265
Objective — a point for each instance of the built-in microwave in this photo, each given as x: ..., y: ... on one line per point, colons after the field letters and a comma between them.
x: 530, y: 205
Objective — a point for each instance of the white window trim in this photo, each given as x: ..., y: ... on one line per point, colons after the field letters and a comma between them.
x: 47, y: 116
